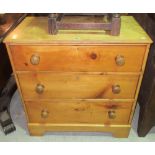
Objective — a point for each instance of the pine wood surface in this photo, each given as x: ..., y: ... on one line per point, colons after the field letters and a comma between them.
x: 74, y: 85
x: 140, y: 81
x: 78, y: 70
x: 79, y: 58
x: 118, y: 131
x: 76, y: 112
x: 35, y: 30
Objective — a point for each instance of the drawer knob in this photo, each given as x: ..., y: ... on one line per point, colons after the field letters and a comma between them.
x: 35, y: 59
x: 44, y: 113
x: 112, y: 114
x: 40, y: 88
x: 116, y: 89
x: 120, y: 60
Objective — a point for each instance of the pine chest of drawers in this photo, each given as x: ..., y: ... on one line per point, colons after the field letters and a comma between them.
x: 78, y: 80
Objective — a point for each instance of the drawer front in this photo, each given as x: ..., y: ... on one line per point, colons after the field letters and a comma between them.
x: 95, y: 112
x: 48, y: 85
x: 114, y: 58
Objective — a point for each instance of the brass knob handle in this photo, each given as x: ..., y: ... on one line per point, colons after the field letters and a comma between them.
x: 120, y: 60
x: 112, y: 114
x: 116, y: 89
x: 40, y: 88
x: 44, y: 113
x: 35, y: 59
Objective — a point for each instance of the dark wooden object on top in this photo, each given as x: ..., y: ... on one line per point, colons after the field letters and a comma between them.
x: 146, y: 97
x: 113, y: 24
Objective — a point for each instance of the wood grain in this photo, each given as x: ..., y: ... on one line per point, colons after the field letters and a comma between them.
x: 78, y: 70
x: 35, y: 30
x: 78, y: 111
x: 76, y: 85
x: 118, y: 131
x: 139, y: 83
x: 17, y: 82
x: 78, y: 58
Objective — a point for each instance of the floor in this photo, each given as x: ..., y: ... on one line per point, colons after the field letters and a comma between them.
x: 21, y: 133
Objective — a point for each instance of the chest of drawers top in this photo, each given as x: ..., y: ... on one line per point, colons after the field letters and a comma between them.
x: 34, y: 30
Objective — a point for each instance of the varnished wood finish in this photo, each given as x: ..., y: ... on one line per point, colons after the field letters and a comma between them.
x: 68, y: 83
x: 118, y: 131
x: 78, y: 111
x: 78, y: 58
x: 77, y: 85
x: 17, y: 82
x: 140, y: 81
x: 35, y: 31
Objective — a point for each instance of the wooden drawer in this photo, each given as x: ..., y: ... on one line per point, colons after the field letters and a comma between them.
x: 47, y: 85
x: 108, y: 58
x: 76, y: 111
